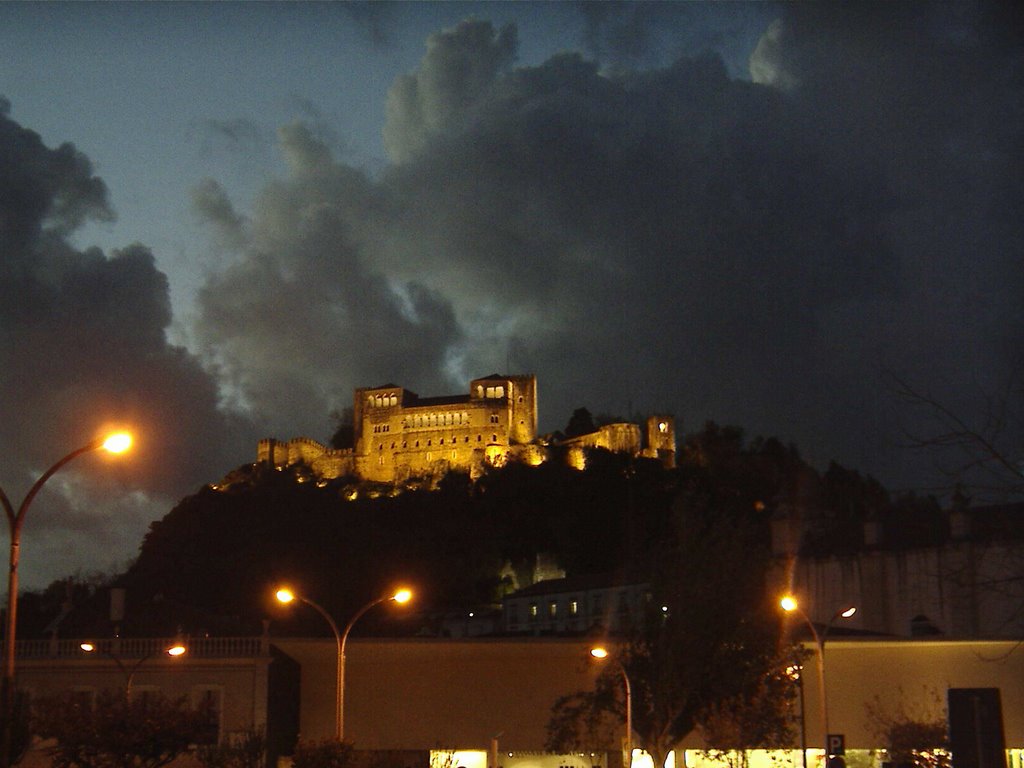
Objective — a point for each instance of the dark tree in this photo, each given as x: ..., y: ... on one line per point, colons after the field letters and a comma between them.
x: 711, y: 635
x: 580, y: 423
x: 118, y: 732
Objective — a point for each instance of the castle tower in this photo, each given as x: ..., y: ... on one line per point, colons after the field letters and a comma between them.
x: 661, y: 439
x: 523, y: 429
x: 517, y: 396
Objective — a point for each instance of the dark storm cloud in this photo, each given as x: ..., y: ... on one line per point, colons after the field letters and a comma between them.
x: 663, y: 238
x: 82, y: 347
x: 305, y: 313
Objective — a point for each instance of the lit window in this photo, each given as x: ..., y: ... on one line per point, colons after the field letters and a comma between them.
x: 552, y: 609
x: 574, y: 607
x: 499, y: 391
x: 533, y: 610
x: 662, y: 426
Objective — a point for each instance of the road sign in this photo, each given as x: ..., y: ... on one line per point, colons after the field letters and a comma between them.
x: 836, y: 744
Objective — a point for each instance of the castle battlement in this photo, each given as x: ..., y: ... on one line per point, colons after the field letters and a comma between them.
x: 400, y: 436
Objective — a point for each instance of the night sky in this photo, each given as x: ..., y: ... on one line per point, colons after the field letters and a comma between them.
x: 217, y: 219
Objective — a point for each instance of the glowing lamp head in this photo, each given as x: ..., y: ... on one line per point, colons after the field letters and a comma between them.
x: 789, y: 603
x: 402, y: 596
x: 848, y: 612
x: 176, y: 650
x: 599, y: 653
x: 284, y: 595
x: 119, y: 442
x: 87, y: 647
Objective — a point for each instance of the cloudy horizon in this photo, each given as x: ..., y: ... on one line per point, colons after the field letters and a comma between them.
x: 763, y: 215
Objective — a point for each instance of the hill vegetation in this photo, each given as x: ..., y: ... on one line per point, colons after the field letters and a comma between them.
x: 211, y: 564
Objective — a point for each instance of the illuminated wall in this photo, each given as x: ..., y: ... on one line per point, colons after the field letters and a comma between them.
x: 400, y: 436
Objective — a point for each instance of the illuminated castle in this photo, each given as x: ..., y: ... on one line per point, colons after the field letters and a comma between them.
x: 399, y: 435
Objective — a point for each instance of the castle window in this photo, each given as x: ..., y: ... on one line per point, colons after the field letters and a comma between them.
x: 552, y: 609
x: 428, y: 455
x: 380, y: 401
x: 392, y: 446
x: 380, y: 447
x: 533, y: 611
x: 417, y: 443
x: 494, y: 418
x: 520, y: 398
x: 454, y: 455
x: 380, y: 461
x: 442, y: 441
x: 479, y: 438
x: 479, y: 390
x: 499, y: 391
x: 467, y: 439
x: 405, y: 443
x: 428, y: 442
x: 494, y: 438
x: 369, y: 401
x: 394, y: 400
x: 662, y: 426
x: 574, y: 607
x: 490, y: 391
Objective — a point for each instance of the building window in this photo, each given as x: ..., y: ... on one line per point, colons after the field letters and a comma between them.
x: 574, y: 607
x: 533, y: 611
x: 552, y: 609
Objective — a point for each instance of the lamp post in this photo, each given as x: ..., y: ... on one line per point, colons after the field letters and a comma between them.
x: 790, y: 605
x: 118, y: 442
x: 601, y: 654
x: 175, y: 651
x: 286, y: 595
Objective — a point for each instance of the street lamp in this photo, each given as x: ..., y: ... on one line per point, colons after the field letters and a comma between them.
x: 175, y: 651
x: 286, y: 595
x: 601, y: 654
x: 119, y: 442
x: 790, y: 605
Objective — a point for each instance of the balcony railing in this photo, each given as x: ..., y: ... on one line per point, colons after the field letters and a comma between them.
x: 140, y: 647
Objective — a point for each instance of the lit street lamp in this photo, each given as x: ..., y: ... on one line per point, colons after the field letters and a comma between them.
x: 118, y: 442
x: 341, y: 638
x: 601, y: 654
x: 790, y: 605
x: 175, y: 651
